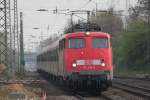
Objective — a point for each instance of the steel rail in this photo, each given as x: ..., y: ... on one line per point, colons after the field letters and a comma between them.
x: 21, y: 81
x: 106, y: 97
x: 130, y: 77
x: 79, y: 97
x: 140, y: 91
x: 135, y: 86
x: 84, y: 96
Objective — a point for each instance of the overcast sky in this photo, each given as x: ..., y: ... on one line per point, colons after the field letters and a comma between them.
x: 56, y: 22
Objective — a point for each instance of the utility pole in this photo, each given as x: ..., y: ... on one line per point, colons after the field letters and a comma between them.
x: 10, y: 54
x: 72, y: 20
x: 88, y: 16
x: 16, y: 36
x: 96, y: 9
x: 148, y: 31
x: 22, y: 61
x: 148, y: 41
x: 4, y: 31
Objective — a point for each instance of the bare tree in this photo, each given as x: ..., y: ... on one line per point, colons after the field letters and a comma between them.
x: 109, y: 21
x: 140, y: 11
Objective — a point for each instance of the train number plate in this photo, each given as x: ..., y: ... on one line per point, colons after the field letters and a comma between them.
x: 89, y: 68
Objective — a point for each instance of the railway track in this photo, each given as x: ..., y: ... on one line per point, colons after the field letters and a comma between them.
x: 102, y: 97
x: 107, y: 97
x: 80, y: 97
x: 136, y: 78
x: 136, y: 90
x: 91, y: 96
x: 21, y: 81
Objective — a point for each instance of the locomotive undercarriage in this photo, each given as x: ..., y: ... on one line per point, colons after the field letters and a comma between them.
x: 78, y: 81
x: 89, y: 81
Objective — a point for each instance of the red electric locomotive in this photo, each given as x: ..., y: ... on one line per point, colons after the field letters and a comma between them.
x: 79, y: 60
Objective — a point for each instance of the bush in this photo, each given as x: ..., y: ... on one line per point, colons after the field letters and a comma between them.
x: 132, y: 49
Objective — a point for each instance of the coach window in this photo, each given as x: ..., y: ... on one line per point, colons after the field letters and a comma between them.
x: 47, y: 56
x: 99, y: 42
x: 56, y: 55
x: 44, y: 57
x: 62, y: 44
x: 39, y: 57
x: 76, y: 43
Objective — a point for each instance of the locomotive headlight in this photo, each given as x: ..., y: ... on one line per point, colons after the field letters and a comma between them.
x: 103, y: 64
x: 74, y: 65
x: 87, y: 33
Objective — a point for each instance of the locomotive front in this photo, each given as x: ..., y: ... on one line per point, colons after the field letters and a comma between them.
x: 88, y: 60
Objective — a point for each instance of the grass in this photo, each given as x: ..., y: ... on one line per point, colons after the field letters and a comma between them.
x: 124, y: 71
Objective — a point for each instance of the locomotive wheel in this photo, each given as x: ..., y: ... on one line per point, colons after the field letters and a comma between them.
x: 104, y: 86
x: 71, y: 84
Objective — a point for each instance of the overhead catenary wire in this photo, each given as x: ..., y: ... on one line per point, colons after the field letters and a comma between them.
x: 85, y: 4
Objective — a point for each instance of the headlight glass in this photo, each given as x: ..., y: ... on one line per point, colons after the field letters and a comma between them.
x: 74, y: 65
x: 103, y: 64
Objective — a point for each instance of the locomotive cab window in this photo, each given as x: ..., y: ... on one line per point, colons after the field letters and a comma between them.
x: 76, y: 43
x: 99, y: 42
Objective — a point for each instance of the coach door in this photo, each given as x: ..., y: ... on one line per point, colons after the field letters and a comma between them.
x: 61, y: 56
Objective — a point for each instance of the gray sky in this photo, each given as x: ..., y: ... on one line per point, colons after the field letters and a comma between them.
x: 56, y: 23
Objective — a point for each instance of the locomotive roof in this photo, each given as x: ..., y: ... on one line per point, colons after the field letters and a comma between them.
x: 76, y: 34
x: 54, y: 44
